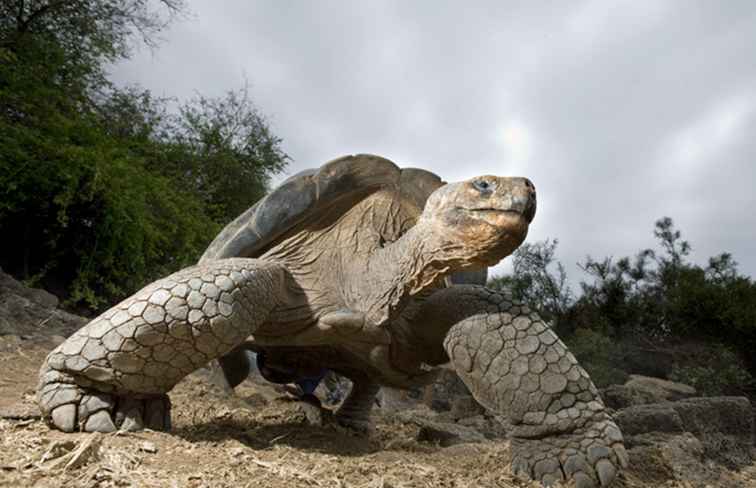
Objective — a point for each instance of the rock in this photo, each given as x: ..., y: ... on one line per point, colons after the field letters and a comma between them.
x: 148, y: 447
x: 658, y: 389
x: 477, y: 422
x: 394, y: 400
x: 448, y: 385
x: 42, y: 297
x: 313, y: 414
x: 723, y: 424
x: 20, y: 411
x: 490, y: 427
x: 642, y: 390
x: 333, y: 389
x: 308, y: 410
x: 9, y: 285
x: 30, y: 312
x: 658, y: 458
x: 435, y: 430
x: 655, y: 417
x: 464, y: 406
x: 447, y: 434
x: 620, y: 396
x: 417, y: 415
x: 100, y: 422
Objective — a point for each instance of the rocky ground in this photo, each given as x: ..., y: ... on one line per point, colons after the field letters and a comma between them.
x: 260, y: 437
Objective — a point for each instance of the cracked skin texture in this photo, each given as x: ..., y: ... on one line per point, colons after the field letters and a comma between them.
x: 513, y: 363
x: 348, y: 268
x: 143, y: 346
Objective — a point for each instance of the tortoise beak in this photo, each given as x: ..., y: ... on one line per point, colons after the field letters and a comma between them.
x: 527, y: 202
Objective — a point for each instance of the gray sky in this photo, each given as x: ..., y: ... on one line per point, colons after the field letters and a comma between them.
x: 619, y: 111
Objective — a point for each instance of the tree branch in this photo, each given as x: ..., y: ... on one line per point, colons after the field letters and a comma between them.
x: 40, y: 12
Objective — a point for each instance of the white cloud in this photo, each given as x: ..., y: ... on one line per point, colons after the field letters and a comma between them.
x: 689, y: 149
x: 593, y: 21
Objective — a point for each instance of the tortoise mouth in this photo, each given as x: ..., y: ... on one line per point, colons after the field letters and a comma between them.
x: 492, y: 211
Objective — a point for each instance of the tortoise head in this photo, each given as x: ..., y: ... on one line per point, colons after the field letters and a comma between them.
x: 483, y: 219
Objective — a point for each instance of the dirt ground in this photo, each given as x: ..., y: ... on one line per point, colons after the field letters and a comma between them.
x: 257, y: 437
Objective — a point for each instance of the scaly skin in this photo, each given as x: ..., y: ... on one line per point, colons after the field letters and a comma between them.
x: 516, y: 366
x: 115, y: 371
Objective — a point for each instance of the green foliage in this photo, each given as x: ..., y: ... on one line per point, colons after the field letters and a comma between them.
x: 715, y: 371
x: 219, y: 149
x: 645, y: 311
x: 664, y: 296
x: 87, y: 210
x: 600, y: 356
x: 103, y: 190
x: 538, y: 279
x: 88, y: 31
x: 224, y: 151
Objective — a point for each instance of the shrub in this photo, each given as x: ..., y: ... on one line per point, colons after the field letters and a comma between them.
x: 716, y: 370
x: 599, y: 355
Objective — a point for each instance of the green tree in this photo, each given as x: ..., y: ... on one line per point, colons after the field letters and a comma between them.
x: 538, y: 279
x: 87, y: 31
x: 226, y: 152
x: 221, y: 150
x: 105, y: 189
x: 656, y: 313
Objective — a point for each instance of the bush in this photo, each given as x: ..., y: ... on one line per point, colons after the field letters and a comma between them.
x: 599, y: 356
x: 88, y: 214
x: 102, y: 190
x: 654, y: 305
x: 715, y: 370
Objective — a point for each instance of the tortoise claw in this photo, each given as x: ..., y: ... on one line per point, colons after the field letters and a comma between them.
x: 588, y: 455
x: 69, y: 407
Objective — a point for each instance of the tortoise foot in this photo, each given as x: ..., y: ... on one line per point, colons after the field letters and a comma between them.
x: 591, y: 455
x: 70, y: 407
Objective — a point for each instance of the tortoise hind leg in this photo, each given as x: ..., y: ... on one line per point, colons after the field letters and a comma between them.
x: 354, y: 412
x: 115, y: 371
x: 235, y: 366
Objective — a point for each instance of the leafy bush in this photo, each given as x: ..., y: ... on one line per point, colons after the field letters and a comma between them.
x: 538, y: 279
x: 715, y: 371
x: 599, y: 356
x: 103, y: 190
x: 638, y: 314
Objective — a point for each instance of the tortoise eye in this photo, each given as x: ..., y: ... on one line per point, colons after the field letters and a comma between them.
x: 483, y: 186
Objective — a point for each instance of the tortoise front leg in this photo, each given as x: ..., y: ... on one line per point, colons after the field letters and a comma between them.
x: 516, y: 366
x: 116, y: 370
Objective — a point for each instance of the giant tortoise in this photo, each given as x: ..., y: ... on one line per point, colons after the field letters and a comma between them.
x: 350, y: 268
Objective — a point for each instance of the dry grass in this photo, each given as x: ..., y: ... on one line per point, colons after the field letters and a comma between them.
x: 255, y: 439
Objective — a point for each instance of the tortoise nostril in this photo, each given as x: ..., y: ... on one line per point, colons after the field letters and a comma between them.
x: 529, y: 184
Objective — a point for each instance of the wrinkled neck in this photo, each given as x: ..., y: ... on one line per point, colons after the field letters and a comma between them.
x: 419, y: 260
